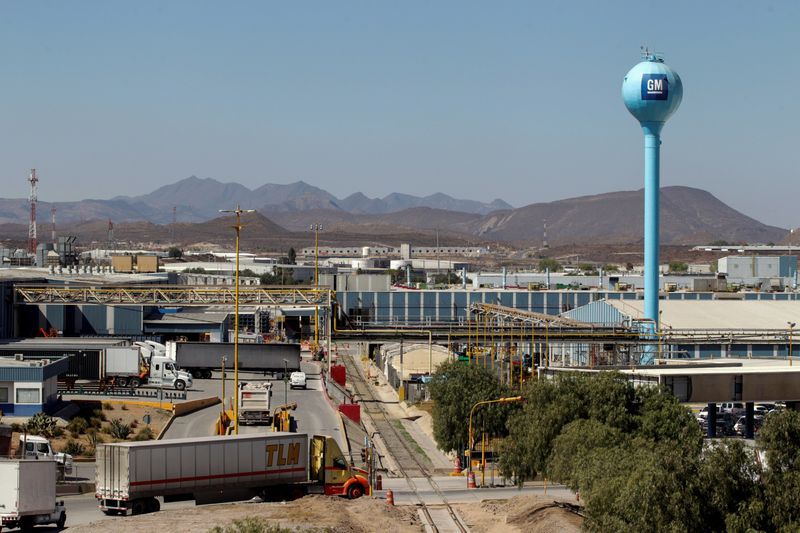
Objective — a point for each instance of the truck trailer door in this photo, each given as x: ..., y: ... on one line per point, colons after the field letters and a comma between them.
x: 316, y: 460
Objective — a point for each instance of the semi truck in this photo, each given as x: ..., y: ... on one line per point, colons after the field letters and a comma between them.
x: 254, y: 403
x: 129, y: 366
x: 28, y: 494
x: 201, y: 358
x: 130, y: 476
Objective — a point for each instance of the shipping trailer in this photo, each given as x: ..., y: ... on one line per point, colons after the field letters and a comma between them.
x: 130, y: 476
x: 201, y: 358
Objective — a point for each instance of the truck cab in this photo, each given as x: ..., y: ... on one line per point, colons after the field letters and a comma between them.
x: 165, y: 373
x: 37, y: 447
x: 329, y: 468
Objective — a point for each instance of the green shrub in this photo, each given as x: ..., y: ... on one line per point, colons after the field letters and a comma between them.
x: 98, y: 413
x: 119, y: 430
x: 108, y: 406
x: 16, y: 427
x: 251, y: 524
x: 77, y: 425
x: 95, y: 422
x: 145, y: 434
x: 94, y: 437
x: 73, y: 447
x: 41, y: 424
x: 58, y: 431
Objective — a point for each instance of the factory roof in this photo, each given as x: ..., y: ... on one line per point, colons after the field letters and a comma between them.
x: 717, y: 314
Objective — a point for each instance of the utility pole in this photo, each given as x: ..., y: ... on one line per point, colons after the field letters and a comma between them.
x: 238, y: 227
x: 53, y: 222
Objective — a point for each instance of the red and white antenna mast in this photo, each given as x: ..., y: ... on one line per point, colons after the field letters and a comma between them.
x: 32, y: 224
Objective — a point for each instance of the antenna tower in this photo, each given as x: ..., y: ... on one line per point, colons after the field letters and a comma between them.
x: 174, y: 221
x: 53, y: 226
x: 32, y: 240
x: 544, y: 236
x: 110, y: 235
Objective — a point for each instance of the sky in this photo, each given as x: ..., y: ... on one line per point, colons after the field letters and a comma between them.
x: 518, y: 100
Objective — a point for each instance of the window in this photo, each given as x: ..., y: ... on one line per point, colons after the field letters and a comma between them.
x: 339, y: 462
x: 3, y: 394
x: 28, y: 396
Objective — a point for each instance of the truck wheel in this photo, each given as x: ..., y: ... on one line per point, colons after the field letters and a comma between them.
x: 134, y: 383
x: 62, y: 520
x: 196, y: 374
x: 207, y: 374
x: 139, y: 507
x: 122, y: 382
x: 355, y: 491
x: 153, y: 505
x: 26, y: 523
x: 180, y: 385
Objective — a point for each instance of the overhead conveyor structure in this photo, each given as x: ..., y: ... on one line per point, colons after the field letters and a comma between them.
x: 168, y: 295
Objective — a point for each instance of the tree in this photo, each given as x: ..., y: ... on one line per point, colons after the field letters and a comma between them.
x: 549, y: 263
x: 175, y: 253
x: 780, y: 439
x: 678, y: 266
x: 455, y: 388
x: 291, y: 256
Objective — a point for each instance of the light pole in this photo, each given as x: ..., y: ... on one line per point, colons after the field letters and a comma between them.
x: 238, y: 227
x: 285, y: 381
x: 468, y: 453
x: 316, y: 228
x: 791, y: 330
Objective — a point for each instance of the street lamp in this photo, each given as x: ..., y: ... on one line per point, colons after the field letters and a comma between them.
x: 238, y: 227
x: 471, y: 412
x: 316, y: 228
x: 791, y: 330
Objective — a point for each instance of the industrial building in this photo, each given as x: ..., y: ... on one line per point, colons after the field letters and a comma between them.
x: 28, y: 387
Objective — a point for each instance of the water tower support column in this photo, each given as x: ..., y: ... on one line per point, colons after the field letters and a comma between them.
x: 652, y: 150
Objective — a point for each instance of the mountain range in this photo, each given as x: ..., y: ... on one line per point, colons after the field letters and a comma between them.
x: 688, y: 216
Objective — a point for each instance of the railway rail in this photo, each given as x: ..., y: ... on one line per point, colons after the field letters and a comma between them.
x: 440, y: 518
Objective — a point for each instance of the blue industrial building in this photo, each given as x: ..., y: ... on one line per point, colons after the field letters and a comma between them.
x: 28, y: 387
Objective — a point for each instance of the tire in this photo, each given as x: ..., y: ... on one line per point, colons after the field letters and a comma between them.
x: 153, y: 505
x: 180, y: 385
x: 139, y: 507
x: 62, y: 520
x: 25, y: 523
x: 122, y: 381
x: 134, y: 382
x: 355, y: 491
x: 207, y: 374
x: 197, y: 374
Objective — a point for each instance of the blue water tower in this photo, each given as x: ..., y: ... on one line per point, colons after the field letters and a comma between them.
x: 652, y: 92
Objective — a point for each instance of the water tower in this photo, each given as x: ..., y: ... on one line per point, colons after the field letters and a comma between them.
x: 652, y: 92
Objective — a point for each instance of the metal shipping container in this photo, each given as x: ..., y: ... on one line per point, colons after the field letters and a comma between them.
x: 122, y: 361
x: 128, y: 471
x: 267, y: 357
x: 28, y: 487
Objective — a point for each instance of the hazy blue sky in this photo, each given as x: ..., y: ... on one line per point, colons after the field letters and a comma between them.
x: 518, y: 100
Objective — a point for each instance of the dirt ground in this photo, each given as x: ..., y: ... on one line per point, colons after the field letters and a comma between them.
x: 364, y: 515
x: 521, y: 514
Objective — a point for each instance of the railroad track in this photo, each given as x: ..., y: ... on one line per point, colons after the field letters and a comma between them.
x: 441, y: 518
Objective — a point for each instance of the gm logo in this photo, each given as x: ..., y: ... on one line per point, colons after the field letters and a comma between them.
x: 654, y: 87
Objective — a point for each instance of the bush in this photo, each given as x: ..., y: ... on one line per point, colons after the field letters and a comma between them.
x: 96, y: 422
x: 119, y: 430
x: 58, y: 432
x: 73, y: 447
x: 108, y: 406
x: 134, y: 424
x: 123, y: 407
x: 251, y: 524
x: 94, y: 437
x: 16, y: 427
x: 74, y: 434
x: 98, y: 413
x: 41, y: 424
x: 145, y: 434
x: 77, y: 425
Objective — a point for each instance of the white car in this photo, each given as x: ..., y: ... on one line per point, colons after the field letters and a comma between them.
x: 297, y: 380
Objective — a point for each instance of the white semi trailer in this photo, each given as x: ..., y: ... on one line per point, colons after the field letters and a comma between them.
x: 130, y: 476
x: 28, y: 494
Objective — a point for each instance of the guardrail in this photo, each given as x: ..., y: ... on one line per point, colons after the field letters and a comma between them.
x: 91, y: 390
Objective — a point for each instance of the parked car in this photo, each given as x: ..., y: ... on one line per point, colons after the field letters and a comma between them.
x: 758, y: 421
x: 297, y: 380
x: 730, y: 407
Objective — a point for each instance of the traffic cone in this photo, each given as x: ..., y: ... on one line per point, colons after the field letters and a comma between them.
x: 457, y: 467
x: 389, y: 498
x: 471, y: 481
